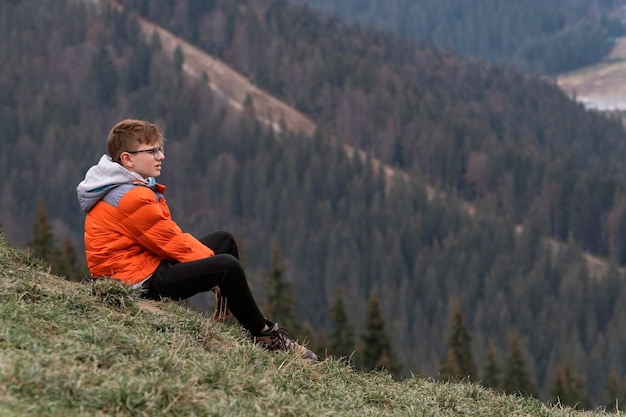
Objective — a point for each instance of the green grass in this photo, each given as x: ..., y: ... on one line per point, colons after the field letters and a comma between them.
x: 70, y: 349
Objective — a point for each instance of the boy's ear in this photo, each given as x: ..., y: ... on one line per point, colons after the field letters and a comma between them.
x: 125, y: 160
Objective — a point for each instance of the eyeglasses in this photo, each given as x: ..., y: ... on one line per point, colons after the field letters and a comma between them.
x: 154, y: 151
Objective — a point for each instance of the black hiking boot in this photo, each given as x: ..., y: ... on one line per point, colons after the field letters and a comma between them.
x: 276, y: 338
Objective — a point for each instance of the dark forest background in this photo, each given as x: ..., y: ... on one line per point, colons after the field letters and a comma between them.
x: 543, y: 36
x: 472, y: 259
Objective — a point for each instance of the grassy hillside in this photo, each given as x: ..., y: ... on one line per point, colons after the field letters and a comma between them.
x: 68, y: 349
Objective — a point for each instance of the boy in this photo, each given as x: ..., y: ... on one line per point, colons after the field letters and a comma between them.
x: 130, y: 236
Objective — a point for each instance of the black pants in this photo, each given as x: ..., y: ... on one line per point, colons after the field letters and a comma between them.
x: 182, y: 280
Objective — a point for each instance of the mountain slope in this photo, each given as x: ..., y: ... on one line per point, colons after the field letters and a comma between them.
x: 235, y: 88
x: 96, y: 349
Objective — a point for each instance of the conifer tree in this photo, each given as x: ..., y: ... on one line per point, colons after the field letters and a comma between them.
x: 179, y: 58
x: 42, y: 243
x: 492, y: 372
x: 459, y: 363
x: 568, y: 388
x: 377, y: 351
x: 342, y: 335
x: 612, y: 392
x: 63, y: 262
x: 517, y: 380
x: 281, y: 301
x: 104, y: 74
x: 66, y: 263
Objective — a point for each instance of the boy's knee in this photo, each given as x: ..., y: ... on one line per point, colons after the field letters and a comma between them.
x: 233, y: 265
x: 225, y: 236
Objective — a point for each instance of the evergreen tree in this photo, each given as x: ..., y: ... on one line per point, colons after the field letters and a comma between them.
x: 138, y: 73
x: 179, y: 58
x: 42, y: 243
x: 104, y: 74
x: 377, y: 351
x: 281, y: 301
x: 63, y: 262
x: 517, y: 379
x: 459, y: 363
x: 613, y: 392
x: 342, y: 335
x: 492, y: 373
x: 66, y: 264
x: 568, y: 388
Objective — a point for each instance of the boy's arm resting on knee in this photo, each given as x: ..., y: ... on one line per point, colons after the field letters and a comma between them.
x: 150, y: 224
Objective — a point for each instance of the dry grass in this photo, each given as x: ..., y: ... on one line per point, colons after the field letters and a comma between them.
x: 69, y: 349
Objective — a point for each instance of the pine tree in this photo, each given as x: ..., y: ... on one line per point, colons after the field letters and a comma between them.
x: 63, y: 262
x: 179, y: 58
x: 517, y: 380
x: 568, y: 388
x: 42, y: 243
x: 66, y: 263
x: 281, y: 301
x: 459, y: 363
x: 377, y: 352
x: 492, y: 373
x: 105, y: 77
x: 342, y: 335
x: 612, y: 392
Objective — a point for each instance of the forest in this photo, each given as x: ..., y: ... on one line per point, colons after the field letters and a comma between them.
x: 503, y: 187
x: 541, y: 36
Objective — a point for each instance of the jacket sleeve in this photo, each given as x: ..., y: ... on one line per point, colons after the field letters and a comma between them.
x: 149, y: 223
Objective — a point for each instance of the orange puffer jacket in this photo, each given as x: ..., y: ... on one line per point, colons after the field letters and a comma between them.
x: 129, y: 231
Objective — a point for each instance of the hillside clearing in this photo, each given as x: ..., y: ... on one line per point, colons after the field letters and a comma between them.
x: 601, y: 86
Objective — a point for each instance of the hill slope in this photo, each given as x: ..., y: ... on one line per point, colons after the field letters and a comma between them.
x: 235, y: 89
x: 98, y: 349
x: 228, y: 84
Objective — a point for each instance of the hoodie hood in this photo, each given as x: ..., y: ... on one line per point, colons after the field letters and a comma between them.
x: 102, y: 178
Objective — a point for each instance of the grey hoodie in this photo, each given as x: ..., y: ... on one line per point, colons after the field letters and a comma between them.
x: 102, y: 178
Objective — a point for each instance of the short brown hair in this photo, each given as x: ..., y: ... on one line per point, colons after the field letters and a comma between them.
x: 128, y: 134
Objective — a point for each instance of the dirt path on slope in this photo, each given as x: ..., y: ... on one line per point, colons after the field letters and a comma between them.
x: 228, y: 84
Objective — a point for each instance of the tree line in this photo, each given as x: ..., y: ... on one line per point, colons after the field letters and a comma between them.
x: 548, y: 37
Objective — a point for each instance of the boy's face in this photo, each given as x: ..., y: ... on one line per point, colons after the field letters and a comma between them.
x: 145, y: 161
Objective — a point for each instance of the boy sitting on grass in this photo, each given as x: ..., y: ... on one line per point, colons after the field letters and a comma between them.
x: 130, y: 236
